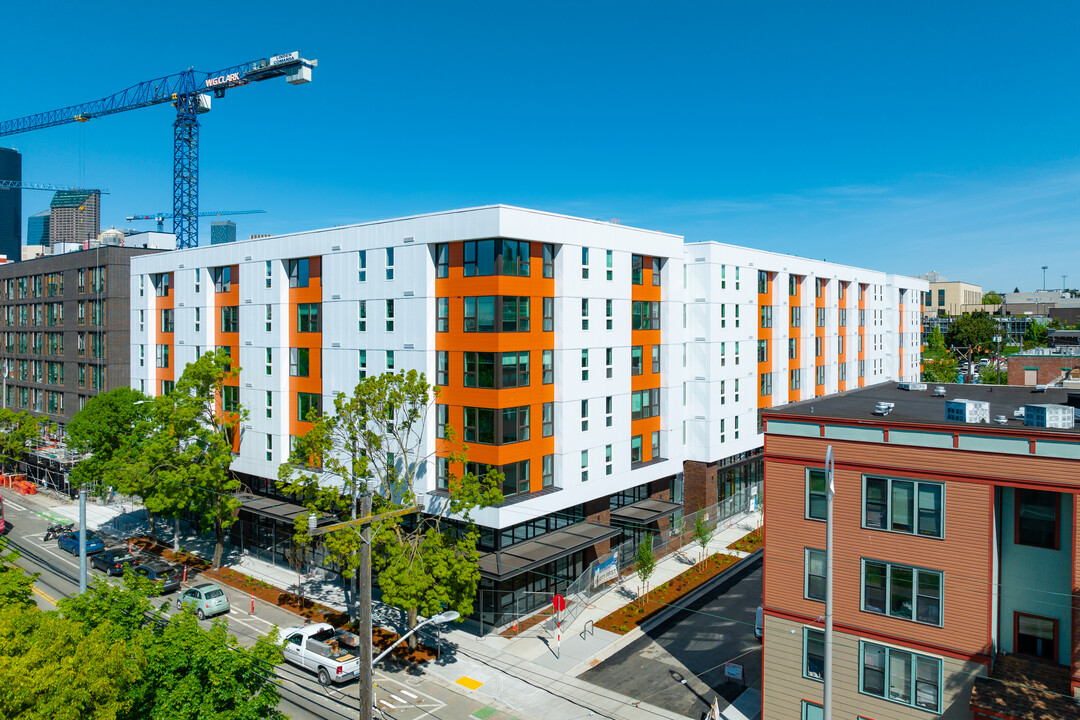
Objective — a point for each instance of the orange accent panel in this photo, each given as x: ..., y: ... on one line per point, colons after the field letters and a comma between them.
x: 795, y: 332
x: 862, y: 331
x: 819, y: 332
x: 766, y: 334
x: 646, y: 339
x: 456, y: 342
x: 842, y: 357
x: 645, y: 428
x: 311, y: 340
x: 165, y: 302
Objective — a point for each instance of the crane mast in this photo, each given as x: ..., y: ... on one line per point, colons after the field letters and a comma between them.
x: 190, y: 93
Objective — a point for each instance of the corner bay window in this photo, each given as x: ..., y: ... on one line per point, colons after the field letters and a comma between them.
x: 307, y: 403
x: 903, y: 506
x: 496, y: 313
x: 645, y: 315
x: 480, y: 369
x: 496, y: 257
x: 515, y: 475
x: 307, y: 317
x: 645, y: 404
x: 489, y: 426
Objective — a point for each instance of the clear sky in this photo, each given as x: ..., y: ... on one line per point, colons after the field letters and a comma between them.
x: 905, y: 137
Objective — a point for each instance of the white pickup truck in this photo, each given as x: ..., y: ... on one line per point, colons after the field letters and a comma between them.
x: 333, y: 654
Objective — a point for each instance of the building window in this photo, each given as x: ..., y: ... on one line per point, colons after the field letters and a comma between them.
x: 489, y: 426
x: 902, y: 592
x: 900, y: 676
x: 820, y: 374
x: 655, y: 444
x: 585, y: 263
x: 762, y: 282
x: 362, y: 266
x: 389, y: 263
x: 299, y: 362
x: 269, y: 275
x: 442, y: 368
x: 516, y: 476
x: 793, y: 285
x: 442, y: 314
x: 607, y: 411
x: 1038, y: 518
x: 548, y: 366
x: 161, y: 358
x: 269, y: 360
x: 442, y: 417
x: 159, y: 280
x: 269, y: 317
x: 655, y: 358
x: 903, y: 506
x: 167, y: 387
x: 645, y: 404
x: 230, y: 398
x: 307, y: 403
x: 389, y: 316
x: 1035, y: 636
x: 389, y: 359
x: 821, y: 317
x: 762, y: 350
x: 610, y: 264
x: 584, y: 415
x: 766, y: 384
x: 636, y: 265
x: 635, y: 449
x: 814, y: 711
x: 362, y: 313
x: 549, y: 260
x: 548, y: 471
x: 442, y: 260
x: 766, y: 316
x: 814, y: 654
x: 584, y: 313
x: 222, y: 277
x: 816, y: 494
x: 299, y: 272
x: 793, y: 348
x: 585, y: 364
x: 819, y: 285
x: 549, y: 314
x: 269, y: 404
x: 656, y: 271
x: 645, y: 315
x: 548, y: 417
x: 635, y: 360
x: 307, y: 317
x: 796, y: 317
x: 167, y: 321
x: 814, y: 583
x: 584, y: 466
x: 481, y: 314
x: 230, y: 319
x: 362, y: 364
x: 608, y: 310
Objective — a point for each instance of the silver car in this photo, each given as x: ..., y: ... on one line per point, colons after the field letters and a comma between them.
x: 208, y: 599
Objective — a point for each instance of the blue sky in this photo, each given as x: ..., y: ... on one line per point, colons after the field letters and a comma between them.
x: 902, y: 137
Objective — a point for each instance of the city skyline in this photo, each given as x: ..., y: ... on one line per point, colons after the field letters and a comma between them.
x: 789, y: 129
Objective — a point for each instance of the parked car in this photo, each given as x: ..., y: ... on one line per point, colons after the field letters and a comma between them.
x: 162, y: 572
x: 331, y: 653
x: 759, y: 623
x: 113, y: 562
x: 70, y: 542
x: 207, y: 599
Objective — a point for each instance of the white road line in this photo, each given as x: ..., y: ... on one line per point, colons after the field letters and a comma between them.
x: 13, y: 506
x: 406, y: 692
x: 250, y: 627
x: 397, y: 699
x: 388, y: 705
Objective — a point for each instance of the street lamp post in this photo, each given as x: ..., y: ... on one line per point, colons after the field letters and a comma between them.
x: 440, y: 619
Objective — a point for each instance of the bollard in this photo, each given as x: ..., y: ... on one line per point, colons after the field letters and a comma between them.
x: 185, y: 573
x: 253, y: 604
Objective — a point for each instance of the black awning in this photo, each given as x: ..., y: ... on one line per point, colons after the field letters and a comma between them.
x: 273, y: 508
x: 539, y: 551
x: 644, y: 512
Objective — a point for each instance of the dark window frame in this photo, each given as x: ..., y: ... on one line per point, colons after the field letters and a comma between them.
x: 1017, y: 531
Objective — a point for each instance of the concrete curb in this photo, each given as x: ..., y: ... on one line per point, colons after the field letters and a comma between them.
x: 734, y: 574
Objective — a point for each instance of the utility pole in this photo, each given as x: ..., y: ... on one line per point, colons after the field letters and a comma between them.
x: 364, y: 600
x: 82, y: 540
x: 830, y: 471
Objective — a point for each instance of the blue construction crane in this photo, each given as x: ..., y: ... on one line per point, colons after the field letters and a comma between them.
x: 20, y: 185
x: 162, y: 217
x: 189, y: 92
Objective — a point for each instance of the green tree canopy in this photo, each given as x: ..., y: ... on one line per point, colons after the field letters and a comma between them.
x: 19, y: 432
x: 1035, y: 335
x: 943, y: 369
x: 102, y: 428
x: 991, y: 297
x: 374, y: 441
x: 972, y: 330
x: 935, y: 342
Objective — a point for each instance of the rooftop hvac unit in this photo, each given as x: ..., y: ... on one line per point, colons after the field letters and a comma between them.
x: 911, y: 386
x: 967, y: 411
x: 1049, y: 416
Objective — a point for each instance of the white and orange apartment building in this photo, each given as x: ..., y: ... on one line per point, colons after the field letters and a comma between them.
x: 592, y: 362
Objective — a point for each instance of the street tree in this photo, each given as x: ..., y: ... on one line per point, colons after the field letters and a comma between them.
x: 702, y: 534
x: 375, y: 441
x: 1035, y: 335
x: 943, y: 369
x: 101, y: 429
x: 935, y: 342
x: 991, y: 297
x: 19, y: 432
x: 185, y: 447
x: 646, y: 563
x: 973, y: 330
x: 16, y: 585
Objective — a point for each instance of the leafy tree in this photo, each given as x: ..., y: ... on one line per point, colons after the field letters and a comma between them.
x: 943, y: 369
x: 184, y: 449
x: 1035, y: 335
x: 374, y: 442
x: 19, y: 432
x: 991, y: 297
x: 990, y: 375
x: 972, y: 330
x: 935, y: 342
x: 103, y: 427
x: 16, y: 585
x: 703, y: 534
x: 646, y: 563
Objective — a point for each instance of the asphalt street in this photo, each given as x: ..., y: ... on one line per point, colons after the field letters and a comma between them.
x: 692, y: 646
x: 400, y: 693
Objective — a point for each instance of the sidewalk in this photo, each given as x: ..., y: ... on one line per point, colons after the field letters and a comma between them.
x: 530, y: 672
